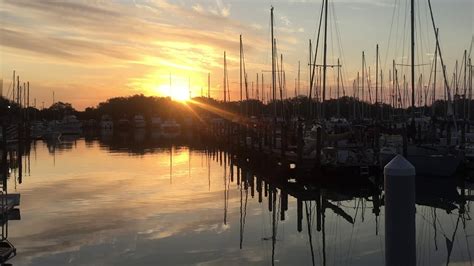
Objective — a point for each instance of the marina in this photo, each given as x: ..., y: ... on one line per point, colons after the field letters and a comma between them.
x: 198, y: 150
x: 159, y: 200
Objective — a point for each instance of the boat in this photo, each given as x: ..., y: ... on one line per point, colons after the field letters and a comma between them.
x: 106, y: 123
x: 70, y: 125
x: 139, y: 121
x: 170, y: 129
x: 430, y: 160
x: 123, y: 124
x: 7, y: 251
x: 37, y: 129
x: 156, y: 122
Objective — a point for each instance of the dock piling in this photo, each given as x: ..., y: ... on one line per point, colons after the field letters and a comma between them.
x: 400, y: 230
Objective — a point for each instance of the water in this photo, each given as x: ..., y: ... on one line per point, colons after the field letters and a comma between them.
x: 129, y: 200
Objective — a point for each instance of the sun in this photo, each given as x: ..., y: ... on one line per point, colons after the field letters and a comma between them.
x: 180, y: 94
x: 176, y: 92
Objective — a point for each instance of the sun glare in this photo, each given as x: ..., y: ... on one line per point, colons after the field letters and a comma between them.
x: 177, y: 93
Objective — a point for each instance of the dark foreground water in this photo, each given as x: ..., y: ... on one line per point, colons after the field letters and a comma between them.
x: 129, y: 202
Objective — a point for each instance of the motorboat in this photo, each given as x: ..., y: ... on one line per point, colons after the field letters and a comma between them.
x: 106, y: 123
x: 139, y: 121
x: 170, y: 128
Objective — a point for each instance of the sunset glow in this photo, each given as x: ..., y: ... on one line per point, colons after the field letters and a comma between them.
x: 122, y: 48
x: 177, y: 93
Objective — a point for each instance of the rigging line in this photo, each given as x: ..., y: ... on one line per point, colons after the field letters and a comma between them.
x: 467, y: 244
x: 433, y: 62
x: 390, y: 33
x: 397, y: 34
x: 331, y: 37
x: 461, y: 70
x: 352, y: 233
x: 308, y: 222
x: 470, y: 46
x: 405, y: 33
x: 316, y: 51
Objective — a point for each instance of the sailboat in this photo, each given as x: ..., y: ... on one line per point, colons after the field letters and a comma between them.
x: 437, y: 160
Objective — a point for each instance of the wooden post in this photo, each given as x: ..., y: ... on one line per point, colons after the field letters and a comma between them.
x: 319, y: 143
x: 300, y: 142
x: 405, y: 141
x: 400, y: 228
x: 299, y: 211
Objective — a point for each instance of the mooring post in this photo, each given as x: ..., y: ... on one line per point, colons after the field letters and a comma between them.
x: 283, y: 139
x: 448, y: 134
x: 259, y: 189
x: 319, y: 208
x: 270, y: 198
x: 400, y: 230
x: 299, y: 214
x: 319, y: 143
x: 405, y: 141
x: 282, y: 207
x: 299, y: 143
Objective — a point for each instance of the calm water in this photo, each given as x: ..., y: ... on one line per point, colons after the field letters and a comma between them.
x: 132, y: 201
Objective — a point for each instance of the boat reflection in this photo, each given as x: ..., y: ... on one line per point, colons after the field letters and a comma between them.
x: 334, y: 221
x: 14, y: 163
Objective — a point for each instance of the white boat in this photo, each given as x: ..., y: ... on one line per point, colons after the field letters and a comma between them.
x: 156, y: 122
x: 106, y: 123
x: 37, y: 129
x: 170, y: 128
x: 139, y: 121
x: 70, y: 125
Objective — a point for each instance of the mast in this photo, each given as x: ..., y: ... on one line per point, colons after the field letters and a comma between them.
x: 273, y: 67
x: 241, y: 72
x: 381, y: 95
x: 338, y: 100
x: 298, y: 87
x: 470, y: 90
x: 225, y: 81
x: 28, y: 101
x: 413, y: 61
x: 13, y: 87
x: 376, y: 77
x: 363, y: 79
x: 208, y: 85
x: 465, y: 84
x: 325, y: 57
x: 311, y: 77
x: 258, y: 94
x: 434, y: 80
x: 18, y: 91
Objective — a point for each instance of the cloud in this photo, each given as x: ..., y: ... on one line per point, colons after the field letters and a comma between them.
x: 285, y: 20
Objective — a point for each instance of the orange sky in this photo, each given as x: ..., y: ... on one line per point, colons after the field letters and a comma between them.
x: 87, y: 51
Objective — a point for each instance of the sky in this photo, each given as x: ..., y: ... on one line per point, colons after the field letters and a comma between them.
x: 87, y: 51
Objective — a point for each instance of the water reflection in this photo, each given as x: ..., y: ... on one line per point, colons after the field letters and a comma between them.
x: 135, y: 199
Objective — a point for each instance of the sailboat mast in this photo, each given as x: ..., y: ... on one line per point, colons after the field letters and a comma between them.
x: 413, y: 59
x: 311, y: 77
x: 273, y: 67
x: 225, y: 80
x: 363, y: 79
x: 13, y: 87
x: 298, y: 87
x: 376, y: 78
x: 241, y: 69
x: 338, y: 100
x: 434, y: 80
x: 325, y: 57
